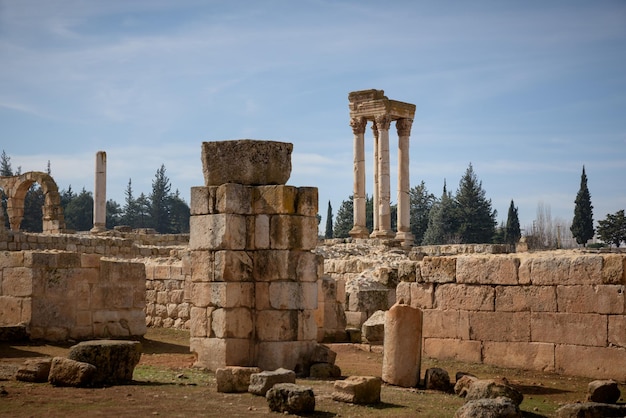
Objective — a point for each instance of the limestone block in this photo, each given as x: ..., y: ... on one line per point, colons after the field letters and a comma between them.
x: 272, y: 265
x: 234, y: 199
x: 232, y: 323
x: 550, y: 270
x: 407, y: 271
x: 617, y: 330
x: 603, y: 391
x: 292, y: 355
x: 293, y: 232
x: 438, y: 269
x: 67, y: 372
x: 261, y: 382
x: 262, y: 296
x: 569, y: 328
x: 453, y: 349
x: 585, y: 269
x: 68, y: 259
x: 217, y: 232
x: 487, y: 270
x: 246, y: 161
x: 115, y: 361
x: 125, y: 272
x: 422, y: 295
x: 498, y: 407
x: 90, y: 260
x: 11, y: 259
x: 231, y: 295
x: 403, y: 346
x: 214, y: 353
x: 519, y: 355
x: 355, y: 319
x: 324, y: 371
x: 373, y: 329
x: 403, y: 293
x: 307, y: 327
x: 602, y: 299
x: 499, y: 326
x: 306, y: 265
x: 446, y: 324
x: 234, y: 379
x: 35, y: 370
x: 291, y: 398
x: 524, y: 269
x: 233, y: 266
x: 598, y: 363
x: 202, y: 200
x: 323, y: 354
x: 490, y: 389
x: 436, y: 378
x: 526, y: 298
x: 465, y: 297
x: 40, y: 259
x: 261, y: 232
x: 307, y: 201
x: 274, y: 325
x: 613, y: 269
x: 17, y: 281
x: 275, y: 199
x: 591, y: 409
x: 293, y: 295
x: 358, y: 390
x: 202, y: 266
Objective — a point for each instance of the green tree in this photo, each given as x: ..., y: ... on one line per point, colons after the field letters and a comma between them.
x: 582, y: 224
x: 5, y: 170
x: 33, y: 210
x: 113, y: 214
x: 179, y: 214
x: 421, y: 202
x: 143, y: 219
x: 344, y: 221
x: 329, y: 222
x: 613, y: 228
x: 79, y: 212
x: 442, y: 222
x: 159, y: 202
x: 512, y: 232
x: 369, y: 213
x: 477, y: 221
x: 131, y: 209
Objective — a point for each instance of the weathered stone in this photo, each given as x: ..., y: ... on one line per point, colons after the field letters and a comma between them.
x: 233, y: 379
x: 324, y: 371
x: 67, y: 372
x: 290, y: 398
x: 373, y: 330
x: 463, y: 383
x: 591, y: 410
x: 12, y: 332
x: 246, y: 161
x: 323, y: 354
x: 490, y: 389
x: 358, y: 390
x: 603, y: 391
x: 114, y: 360
x: 437, y: 378
x: 489, y: 408
x: 487, y: 270
x: 403, y: 346
x: 261, y: 382
x: 35, y: 370
x: 438, y: 269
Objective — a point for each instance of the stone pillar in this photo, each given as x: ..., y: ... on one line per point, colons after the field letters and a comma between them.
x: 384, y: 193
x: 402, y: 351
x: 100, y: 193
x: 375, y: 194
x: 404, y: 234
x: 359, y: 230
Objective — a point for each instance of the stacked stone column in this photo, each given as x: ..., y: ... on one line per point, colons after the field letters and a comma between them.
x: 253, y: 284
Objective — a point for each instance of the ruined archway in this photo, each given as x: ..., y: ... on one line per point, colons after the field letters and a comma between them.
x: 16, y: 187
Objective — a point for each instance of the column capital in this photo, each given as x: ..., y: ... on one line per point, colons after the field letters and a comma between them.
x: 404, y: 126
x: 358, y: 125
x: 383, y: 122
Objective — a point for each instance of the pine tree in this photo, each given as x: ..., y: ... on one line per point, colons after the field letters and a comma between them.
x: 179, y: 214
x: 329, y: 222
x: 442, y: 222
x: 421, y: 204
x: 344, y: 221
x: 5, y: 165
x: 143, y: 212
x: 613, y: 229
x: 79, y: 212
x: 582, y: 224
x: 159, y: 207
x: 130, y: 210
x: 113, y: 214
x: 512, y: 232
x: 477, y: 221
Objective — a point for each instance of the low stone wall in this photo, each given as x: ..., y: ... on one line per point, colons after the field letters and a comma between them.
x: 60, y: 295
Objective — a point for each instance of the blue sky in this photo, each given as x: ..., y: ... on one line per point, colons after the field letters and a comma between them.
x: 528, y: 92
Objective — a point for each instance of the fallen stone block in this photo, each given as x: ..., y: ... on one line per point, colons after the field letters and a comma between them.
x: 13, y: 333
x: 591, y: 410
x: 463, y: 383
x: 489, y: 408
x: 358, y: 390
x: 323, y: 354
x: 490, y: 389
x: 437, y: 378
x: 291, y: 398
x: 260, y: 383
x: 35, y: 371
x: 67, y: 372
x: 234, y: 379
x: 373, y: 330
x: 114, y: 360
x: 324, y: 371
x: 603, y: 391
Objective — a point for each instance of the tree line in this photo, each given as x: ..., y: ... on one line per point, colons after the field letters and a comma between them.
x: 163, y: 210
x: 467, y: 217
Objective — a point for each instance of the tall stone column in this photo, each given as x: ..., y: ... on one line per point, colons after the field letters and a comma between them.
x: 100, y: 193
x: 359, y: 230
x: 404, y: 204
x: 375, y: 195
x: 384, y: 194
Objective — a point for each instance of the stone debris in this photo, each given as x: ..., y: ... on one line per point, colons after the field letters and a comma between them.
x: 358, y: 390
x: 323, y: 354
x: 437, y: 378
x: 373, y: 330
x: 234, y: 379
x: 291, y: 398
x: 403, y: 346
x: 499, y: 407
x: 35, y: 371
x: 324, y: 371
x: 603, y: 391
x: 491, y: 389
x: 67, y: 372
x: 114, y: 360
x: 260, y: 383
x: 591, y: 410
x: 463, y: 383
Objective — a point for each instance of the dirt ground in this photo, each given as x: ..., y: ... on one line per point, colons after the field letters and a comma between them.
x: 165, y: 384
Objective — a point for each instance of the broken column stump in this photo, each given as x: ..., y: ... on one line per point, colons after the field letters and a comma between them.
x: 402, y: 351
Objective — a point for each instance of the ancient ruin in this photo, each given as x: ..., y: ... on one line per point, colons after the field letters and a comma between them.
x: 374, y: 106
x: 100, y: 193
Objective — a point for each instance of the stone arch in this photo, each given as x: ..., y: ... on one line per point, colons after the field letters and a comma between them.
x: 16, y: 187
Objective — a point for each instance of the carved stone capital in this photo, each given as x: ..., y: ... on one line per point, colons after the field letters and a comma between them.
x: 404, y: 126
x: 358, y: 125
x: 375, y: 130
x: 383, y: 122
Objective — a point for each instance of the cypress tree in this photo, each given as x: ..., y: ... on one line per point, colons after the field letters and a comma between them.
x: 329, y: 222
x: 512, y: 232
x: 345, y: 219
x: 582, y: 224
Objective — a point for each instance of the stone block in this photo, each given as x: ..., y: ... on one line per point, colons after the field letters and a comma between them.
x: 526, y: 298
x: 324, y: 371
x: 436, y: 378
x: 291, y: 398
x: 233, y: 323
x: 17, y: 281
x: 263, y: 381
x: 261, y: 232
x: 272, y: 265
x: 598, y: 363
x: 601, y: 299
x: 465, y: 297
x: 323, y: 354
x: 603, y: 391
x: 274, y: 200
x: 358, y: 390
x: 202, y: 200
x: 37, y: 259
x: 453, y: 349
x: 306, y: 265
x: 519, y: 355
x: 292, y: 355
x: 438, y: 269
x: 499, y: 326
x: 491, y: 389
x: 115, y: 361
x: 307, y: 326
x: 295, y: 232
x: 231, y: 295
x: 422, y: 295
x: 446, y: 324
x: 569, y: 328
x: 591, y: 409
x: 67, y: 372
x: 403, y: 346
x: 90, y: 260
x: 613, y: 269
x: 34, y: 370
x: 487, y: 270
x: 373, y: 329
x: 202, y: 266
x: 217, y: 232
x: 585, y: 269
x: 549, y: 270
x: 355, y: 319
x: 498, y: 407
x: 11, y: 259
x: 234, y: 379
x: 293, y: 295
x: 617, y: 330
x: 233, y: 199
x: 246, y: 161
x: 262, y: 296
x: 215, y: 353
x: 68, y: 259
x: 274, y: 325
x: 407, y: 271
x: 232, y: 266
x: 307, y: 201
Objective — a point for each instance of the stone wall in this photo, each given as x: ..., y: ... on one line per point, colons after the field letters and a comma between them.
x: 60, y: 295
